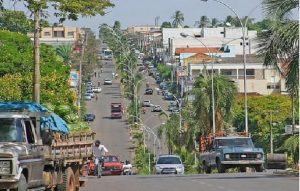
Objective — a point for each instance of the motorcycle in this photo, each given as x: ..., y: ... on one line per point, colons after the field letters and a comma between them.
x: 127, y: 169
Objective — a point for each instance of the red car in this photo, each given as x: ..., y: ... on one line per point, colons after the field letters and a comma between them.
x: 112, y: 166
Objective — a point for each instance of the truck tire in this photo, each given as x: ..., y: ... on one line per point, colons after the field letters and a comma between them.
x: 22, y: 185
x: 259, y: 168
x: 206, y: 168
x: 68, y: 181
x: 221, y: 168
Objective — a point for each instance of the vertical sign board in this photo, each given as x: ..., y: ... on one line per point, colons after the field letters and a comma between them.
x: 74, y: 78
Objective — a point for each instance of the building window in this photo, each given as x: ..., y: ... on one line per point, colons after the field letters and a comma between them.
x: 241, y: 43
x: 273, y: 87
x: 250, y: 72
x: 247, y: 43
x: 47, y: 34
x: 58, y: 34
x: 272, y: 79
x: 222, y: 32
x: 71, y: 34
x: 226, y: 72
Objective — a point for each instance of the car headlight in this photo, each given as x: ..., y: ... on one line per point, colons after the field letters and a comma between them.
x: 5, y: 167
x: 259, y: 155
x: 227, y: 156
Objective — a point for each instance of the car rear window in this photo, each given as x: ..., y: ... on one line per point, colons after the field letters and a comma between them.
x: 168, y: 160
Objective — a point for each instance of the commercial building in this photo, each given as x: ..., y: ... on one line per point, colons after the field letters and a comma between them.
x: 57, y: 35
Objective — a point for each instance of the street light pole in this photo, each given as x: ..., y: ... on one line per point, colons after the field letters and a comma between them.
x: 212, y: 81
x: 244, y: 56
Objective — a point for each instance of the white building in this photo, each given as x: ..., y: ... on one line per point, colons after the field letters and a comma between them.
x: 210, y: 37
x: 260, y: 79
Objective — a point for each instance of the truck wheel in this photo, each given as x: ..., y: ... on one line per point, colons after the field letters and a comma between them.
x: 243, y: 169
x: 259, y: 168
x: 68, y: 181
x: 206, y: 168
x: 22, y: 185
x: 221, y: 168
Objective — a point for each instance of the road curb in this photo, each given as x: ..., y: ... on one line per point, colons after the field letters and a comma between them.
x: 286, y: 173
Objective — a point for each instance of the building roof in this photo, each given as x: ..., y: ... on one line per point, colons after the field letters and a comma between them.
x: 198, y: 58
x: 250, y: 58
x: 197, y: 50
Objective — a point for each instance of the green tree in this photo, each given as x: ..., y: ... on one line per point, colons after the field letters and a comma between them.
x: 178, y: 19
x: 117, y: 26
x: 204, y: 21
x: 280, y: 44
x: 65, y: 51
x: 214, y: 22
x: 166, y: 25
x: 15, y: 21
x: 224, y: 92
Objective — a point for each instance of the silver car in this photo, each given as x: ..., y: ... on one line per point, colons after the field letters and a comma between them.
x: 169, y: 164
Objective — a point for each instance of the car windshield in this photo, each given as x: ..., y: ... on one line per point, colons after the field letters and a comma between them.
x: 11, y: 130
x: 235, y: 142
x: 168, y: 160
x: 111, y: 159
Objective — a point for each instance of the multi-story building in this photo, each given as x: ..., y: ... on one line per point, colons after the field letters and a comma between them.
x: 141, y: 29
x: 210, y: 37
x: 260, y: 79
x: 58, y: 35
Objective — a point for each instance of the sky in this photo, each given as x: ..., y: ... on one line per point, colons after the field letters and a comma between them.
x: 143, y: 12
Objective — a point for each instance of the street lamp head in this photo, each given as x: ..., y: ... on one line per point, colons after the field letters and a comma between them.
x: 184, y: 35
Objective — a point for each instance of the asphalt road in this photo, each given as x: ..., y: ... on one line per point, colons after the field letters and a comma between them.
x: 213, y: 182
x: 113, y: 133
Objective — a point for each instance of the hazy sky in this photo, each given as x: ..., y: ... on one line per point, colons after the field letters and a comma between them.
x: 143, y: 12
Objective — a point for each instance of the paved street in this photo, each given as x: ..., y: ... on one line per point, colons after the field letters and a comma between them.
x: 152, y: 119
x: 214, y: 182
x: 112, y: 132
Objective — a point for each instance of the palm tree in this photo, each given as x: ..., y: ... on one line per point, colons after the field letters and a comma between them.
x: 214, y: 22
x: 65, y: 51
x: 225, y: 92
x: 178, y: 19
x: 204, y: 21
x: 280, y: 44
x: 171, y: 131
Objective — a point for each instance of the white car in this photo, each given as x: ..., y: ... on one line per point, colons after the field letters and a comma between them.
x: 87, y: 97
x: 169, y: 164
x: 147, y: 103
x: 97, y: 89
x: 107, y: 82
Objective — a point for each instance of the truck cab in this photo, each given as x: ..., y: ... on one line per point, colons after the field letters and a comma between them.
x: 21, y: 152
x: 231, y: 152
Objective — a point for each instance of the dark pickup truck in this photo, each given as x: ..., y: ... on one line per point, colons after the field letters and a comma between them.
x: 224, y: 152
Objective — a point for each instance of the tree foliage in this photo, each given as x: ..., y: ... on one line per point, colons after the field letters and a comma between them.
x: 178, y: 19
x: 166, y: 25
x: 15, y: 21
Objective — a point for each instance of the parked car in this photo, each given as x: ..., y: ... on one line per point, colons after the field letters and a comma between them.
x: 87, y: 96
x: 169, y: 96
x: 149, y: 91
x: 112, y: 165
x: 97, y: 89
x: 89, y: 117
x: 91, y: 93
x: 156, y: 108
x: 169, y: 164
x: 146, y: 103
x: 89, y: 83
x: 173, y: 108
x: 107, y: 82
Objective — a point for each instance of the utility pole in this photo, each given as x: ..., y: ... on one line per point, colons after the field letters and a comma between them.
x: 36, y: 71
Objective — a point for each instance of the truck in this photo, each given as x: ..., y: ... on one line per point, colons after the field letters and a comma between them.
x: 38, y: 152
x: 116, y: 110
x: 223, y: 151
